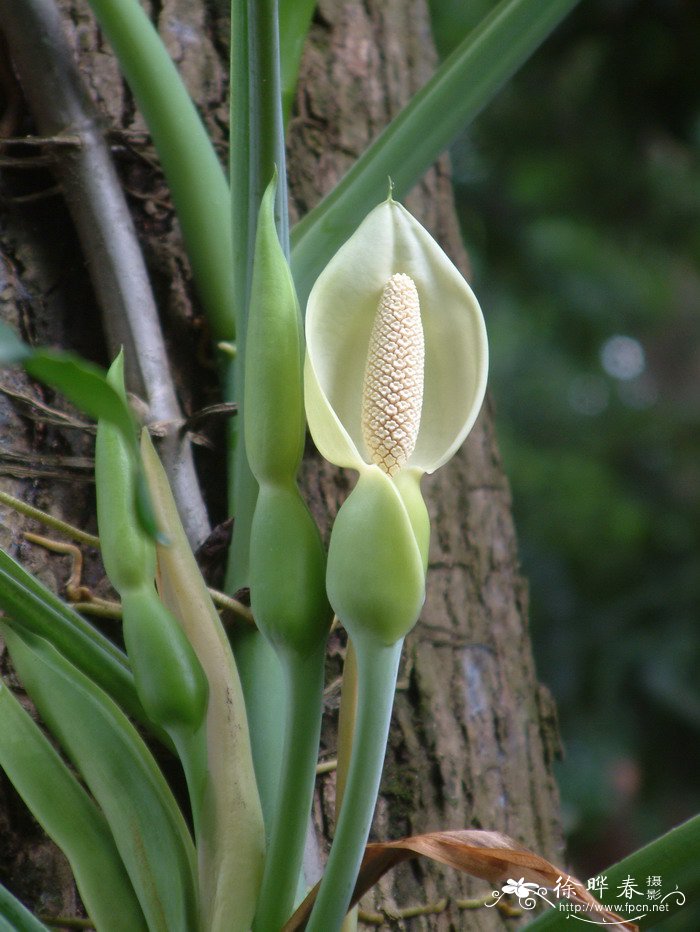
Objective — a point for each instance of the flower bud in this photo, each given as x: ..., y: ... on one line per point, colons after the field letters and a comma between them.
x: 169, y: 679
x: 287, y: 559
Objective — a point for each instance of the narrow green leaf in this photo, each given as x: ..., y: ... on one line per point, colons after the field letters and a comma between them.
x: 69, y: 816
x: 83, y: 384
x: 15, y: 917
x: 36, y: 608
x: 674, y: 856
x: 295, y: 18
x: 409, y: 145
x: 79, y: 380
x: 87, y: 387
x: 120, y: 772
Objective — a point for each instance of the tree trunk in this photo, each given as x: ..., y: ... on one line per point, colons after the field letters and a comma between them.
x: 473, y: 735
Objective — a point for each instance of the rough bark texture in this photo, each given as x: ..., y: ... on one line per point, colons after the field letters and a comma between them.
x: 473, y: 734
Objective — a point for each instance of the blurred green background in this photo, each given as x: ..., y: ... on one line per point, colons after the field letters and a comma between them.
x: 579, y: 197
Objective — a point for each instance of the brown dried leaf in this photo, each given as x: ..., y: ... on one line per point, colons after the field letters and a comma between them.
x: 488, y: 855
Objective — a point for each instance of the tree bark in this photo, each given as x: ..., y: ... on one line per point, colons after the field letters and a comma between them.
x: 473, y: 734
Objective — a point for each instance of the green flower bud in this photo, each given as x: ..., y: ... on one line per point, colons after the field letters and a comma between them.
x: 169, y: 679
x: 274, y: 405
x: 395, y: 375
x: 376, y: 576
x: 128, y: 553
x: 287, y: 560
x: 287, y: 571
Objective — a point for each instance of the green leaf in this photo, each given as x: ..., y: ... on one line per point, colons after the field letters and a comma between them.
x: 15, y: 917
x: 409, y: 145
x: 29, y: 603
x: 674, y: 856
x: 120, y: 772
x: 89, y: 388
x: 80, y: 381
x: 84, y: 384
x: 295, y: 17
x: 69, y: 817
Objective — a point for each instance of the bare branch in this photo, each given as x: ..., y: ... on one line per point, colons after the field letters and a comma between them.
x: 62, y: 107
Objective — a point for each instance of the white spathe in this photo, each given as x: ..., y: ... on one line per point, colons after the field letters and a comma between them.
x: 340, y: 316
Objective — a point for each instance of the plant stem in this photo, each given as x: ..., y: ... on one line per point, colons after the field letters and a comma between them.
x: 346, y: 724
x: 55, y: 523
x: 377, y: 667
x: 283, y: 864
x: 261, y: 681
x: 346, y: 731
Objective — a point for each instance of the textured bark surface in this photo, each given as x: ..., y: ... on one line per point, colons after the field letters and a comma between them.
x: 473, y: 734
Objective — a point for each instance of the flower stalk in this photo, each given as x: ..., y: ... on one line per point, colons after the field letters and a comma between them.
x: 377, y: 671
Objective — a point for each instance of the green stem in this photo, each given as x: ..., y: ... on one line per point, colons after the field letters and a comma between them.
x: 191, y: 748
x: 346, y: 731
x: 347, y: 717
x: 55, y: 523
x: 377, y: 667
x: 283, y: 865
x: 261, y: 681
x: 195, y: 176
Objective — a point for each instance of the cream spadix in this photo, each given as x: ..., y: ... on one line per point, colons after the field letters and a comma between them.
x: 392, y: 395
